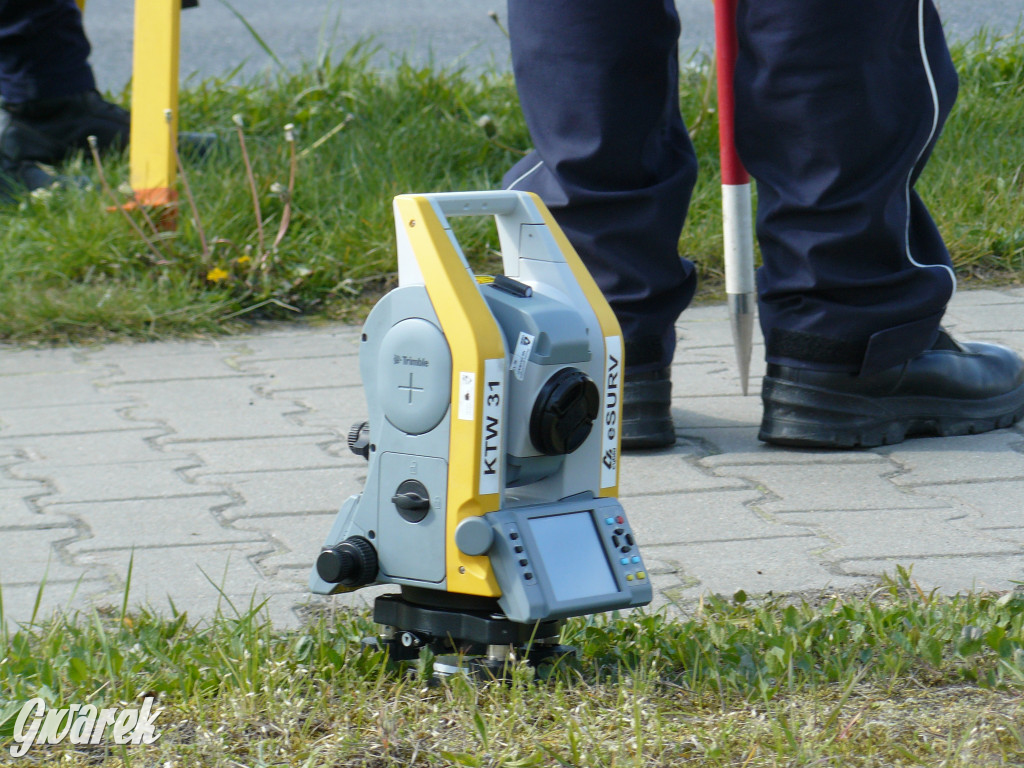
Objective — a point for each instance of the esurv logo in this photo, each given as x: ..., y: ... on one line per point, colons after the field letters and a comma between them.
x: 82, y: 724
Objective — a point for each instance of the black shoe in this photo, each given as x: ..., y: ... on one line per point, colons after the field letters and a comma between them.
x: 950, y: 389
x: 646, y: 411
x: 18, y: 178
x: 48, y: 130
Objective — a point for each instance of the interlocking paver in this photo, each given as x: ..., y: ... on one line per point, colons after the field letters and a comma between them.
x: 312, y: 451
x: 950, y: 574
x: 333, y: 408
x: 813, y: 487
x: 135, y: 366
x: 15, y: 509
x: 692, y: 517
x: 215, y: 409
x: 227, y: 457
x: 152, y: 523
x: 289, y: 491
x: 905, y: 534
x: 66, y: 597
x: 995, y: 455
x: 698, y: 412
x: 193, y: 577
x: 757, y: 566
x: 739, y: 447
x: 74, y: 387
x: 301, y: 372
x: 111, y: 482
x: 79, y: 450
x: 299, y: 538
x: 987, y: 317
x: 304, y: 342
x: 19, y: 424
x: 668, y: 471
x: 996, y: 504
x: 33, y: 557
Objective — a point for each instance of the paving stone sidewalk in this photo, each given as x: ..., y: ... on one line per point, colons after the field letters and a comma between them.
x: 214, y: 470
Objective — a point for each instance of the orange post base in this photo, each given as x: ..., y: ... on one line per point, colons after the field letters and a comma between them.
x: 161, y: 200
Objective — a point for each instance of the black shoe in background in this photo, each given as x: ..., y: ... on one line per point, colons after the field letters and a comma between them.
x: 646, y: 411
x: 950, y: 389
x: 16, y: 178
x: 48, y: 130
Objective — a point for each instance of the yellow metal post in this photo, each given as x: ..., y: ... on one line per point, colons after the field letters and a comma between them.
x: 154, y: 92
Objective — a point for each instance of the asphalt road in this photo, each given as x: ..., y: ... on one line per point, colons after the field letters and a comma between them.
x: 443, y: 32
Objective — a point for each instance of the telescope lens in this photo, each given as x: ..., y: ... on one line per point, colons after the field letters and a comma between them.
x: 564, y: 412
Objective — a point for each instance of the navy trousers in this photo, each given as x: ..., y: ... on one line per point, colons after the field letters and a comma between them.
x: 43, y: 50
x: 838, y: 102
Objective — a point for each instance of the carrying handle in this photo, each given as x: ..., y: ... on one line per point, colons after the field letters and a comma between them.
x: 511, y: 210
x: 486, y: 203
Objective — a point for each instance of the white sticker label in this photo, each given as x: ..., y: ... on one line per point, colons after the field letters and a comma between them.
x: 612, y: 412
x: 492, y: 439
x: 522, y: 354
x: 467, y: 395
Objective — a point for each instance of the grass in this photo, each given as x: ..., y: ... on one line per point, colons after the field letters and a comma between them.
x: 72, y: 271
x: 894, y: 677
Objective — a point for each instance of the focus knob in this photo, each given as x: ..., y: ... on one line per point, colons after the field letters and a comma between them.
x: 359, y: 439
x: 352, y: 563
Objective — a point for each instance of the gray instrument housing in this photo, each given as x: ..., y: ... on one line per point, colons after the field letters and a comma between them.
x: 551, y: 546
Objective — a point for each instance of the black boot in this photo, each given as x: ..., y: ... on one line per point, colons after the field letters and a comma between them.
x: 950, y: 389
x: 17, y: 178
x: 48, y: 130
x: 646, y: 411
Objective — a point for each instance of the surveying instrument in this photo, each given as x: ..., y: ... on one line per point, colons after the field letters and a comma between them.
x: 492, y: 441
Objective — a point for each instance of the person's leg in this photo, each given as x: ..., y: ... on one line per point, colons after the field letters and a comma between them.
x: 838, y: 106
x: 43, y: 51
x: 598, y: 84
x: 50, y: 104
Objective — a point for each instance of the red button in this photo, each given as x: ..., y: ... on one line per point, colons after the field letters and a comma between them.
x: 620, y: 519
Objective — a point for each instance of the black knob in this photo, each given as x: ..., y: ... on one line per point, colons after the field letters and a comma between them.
x: 352, y: 563
x: 359, y: 439
x: 412, y: 500
x: 564, y: 412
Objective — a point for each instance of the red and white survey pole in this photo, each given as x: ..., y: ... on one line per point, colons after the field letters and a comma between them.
x: 737, y: 218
